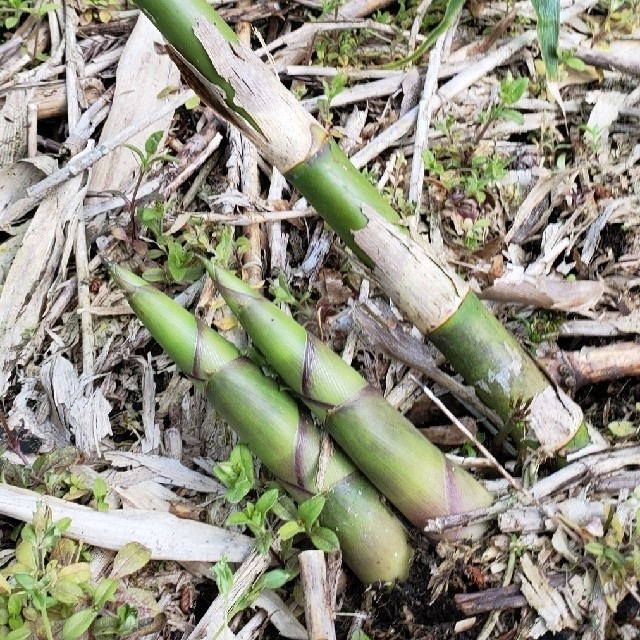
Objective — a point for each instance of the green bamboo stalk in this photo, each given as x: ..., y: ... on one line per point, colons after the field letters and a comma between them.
x: 428, y: 291
x: 373, y: 541
x: 410, y: 471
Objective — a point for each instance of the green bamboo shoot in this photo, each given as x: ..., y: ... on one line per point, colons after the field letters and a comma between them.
x: 373, y: 541
x: 411, y: 472
x: 235, y: 82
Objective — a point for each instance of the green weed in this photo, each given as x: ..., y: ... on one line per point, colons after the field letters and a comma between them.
x: 237, y: 476
x: 47, y: 591
x: 542, y: 326
x: 12, y: 11
x: 469, y: 177
x: 331, y: 89
x: 615, y: 554
x: 223, y: 575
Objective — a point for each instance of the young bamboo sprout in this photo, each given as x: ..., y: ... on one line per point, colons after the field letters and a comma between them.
x: 244, y: 90
x: 411, y: 472
x: 373, y: 541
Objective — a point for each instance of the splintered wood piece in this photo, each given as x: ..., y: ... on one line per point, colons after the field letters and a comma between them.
x: 280, y: 615
x: 51, y: 98
x: 142, y: 75
x: 318, y: 612
x: 544, y: 597
x: 544, y: 292
x: 531, y: 217
x: 590, y: 365
x: 497, y: 598
x: 32, y: 274
x: 85, y: 415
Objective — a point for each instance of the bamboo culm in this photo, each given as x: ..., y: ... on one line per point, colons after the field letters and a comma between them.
x: 245, y: 91
x: 410, y: 471
x: 373, y: 541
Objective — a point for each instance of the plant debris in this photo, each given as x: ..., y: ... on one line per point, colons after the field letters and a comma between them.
x: 528, y: 185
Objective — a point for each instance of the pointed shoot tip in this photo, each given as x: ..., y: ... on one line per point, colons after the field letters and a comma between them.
x: 125, y: 279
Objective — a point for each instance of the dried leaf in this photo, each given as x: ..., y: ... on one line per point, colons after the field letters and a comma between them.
x: 131, y: 558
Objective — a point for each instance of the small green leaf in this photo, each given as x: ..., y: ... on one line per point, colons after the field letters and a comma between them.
x: 152, y: 143
x: 77, y: 572
x: 67, y: 592
x: 310, y: 510
x: 15, y: 602
x: 224, y: 472
x: 274, y: 579
x: 100, y: 488
x: 128, y: 619
x: 242, y: 454
x: 237, y: 473
x: 263, y: 542
x: 267, y: 501
x: 479, y: 161
x: 324, y: 539
x: 78, y: 623
x: 154, y: 274
x: 104, y: 593
x: 191, y: 274
x: 25, y: 555
x: 243, y: 245
x: 280, y: 292
x: 290, y: 529
x: 238, y: 491
x: 622, y: 428
x: 594, y: 548
x: 574, y: 63
x: 131, y: 558
x: 19, y: 634
x: 285, y: 508
x: 512, y: 90
x: 512, y: 115
x: 238, y: 518
x: 223, y: 575
x: 192, y: 103
x: 150, y: 214
x: 177, y: 259
x: 63, y: 524
x: 28, y: 534
x: 11, y: 22
x: 25, y: 580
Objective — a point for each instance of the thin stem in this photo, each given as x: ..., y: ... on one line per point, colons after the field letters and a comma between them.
x: 485, y: 452
x: 45, y: 621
